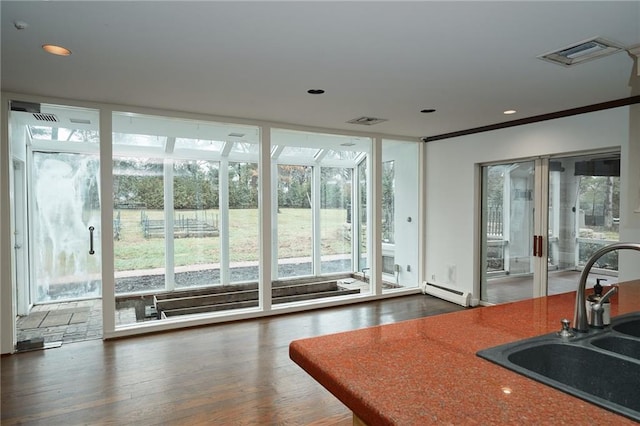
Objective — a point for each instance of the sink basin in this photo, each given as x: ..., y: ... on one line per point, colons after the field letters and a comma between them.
x: 619, y: 345
x: 592, y: 374
x: 601, y: 366
x: 631, y: 327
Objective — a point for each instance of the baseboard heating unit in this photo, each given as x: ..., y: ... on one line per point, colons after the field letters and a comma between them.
x: 455, y: 296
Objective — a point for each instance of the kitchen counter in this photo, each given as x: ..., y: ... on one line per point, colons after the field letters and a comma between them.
x: 426, y: 370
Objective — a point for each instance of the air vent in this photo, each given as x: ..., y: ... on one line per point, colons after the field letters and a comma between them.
x: 80, y: 121
x: 46, y: 117
x: 367, y: 121
x: 581, y: 52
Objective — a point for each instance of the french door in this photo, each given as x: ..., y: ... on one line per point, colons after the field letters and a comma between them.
x: 542, y: 219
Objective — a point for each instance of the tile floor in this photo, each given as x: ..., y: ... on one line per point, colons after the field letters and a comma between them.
x: 62, y: 322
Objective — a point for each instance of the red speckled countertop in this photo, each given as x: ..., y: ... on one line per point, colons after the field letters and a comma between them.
x: 426, y: 370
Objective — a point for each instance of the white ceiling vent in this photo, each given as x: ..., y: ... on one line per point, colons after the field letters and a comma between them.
x: 80, y: 121
x: 581, y: 52
x: 43, y: 116
x: 367, y: 121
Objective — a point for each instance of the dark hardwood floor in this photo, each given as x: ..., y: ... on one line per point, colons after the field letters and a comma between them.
x: 228, y: 374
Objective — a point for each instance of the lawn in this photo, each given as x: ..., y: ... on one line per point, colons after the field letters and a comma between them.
x: 133, y: 251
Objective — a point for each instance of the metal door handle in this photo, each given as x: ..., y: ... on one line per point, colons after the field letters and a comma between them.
x: 535, y: 246
x: 91, y: 251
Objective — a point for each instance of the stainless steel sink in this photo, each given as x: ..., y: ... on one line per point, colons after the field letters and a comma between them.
x: 601, y: 366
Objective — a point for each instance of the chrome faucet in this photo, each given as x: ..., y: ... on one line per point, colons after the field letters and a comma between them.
x: 580, y: 323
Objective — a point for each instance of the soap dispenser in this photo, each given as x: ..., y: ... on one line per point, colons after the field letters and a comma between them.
x: 594, y: 298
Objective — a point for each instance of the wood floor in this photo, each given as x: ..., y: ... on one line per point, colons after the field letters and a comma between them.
x: 227, y: 374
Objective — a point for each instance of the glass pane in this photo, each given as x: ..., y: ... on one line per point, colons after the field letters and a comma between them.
x: 138, y: 222
x: 299, y: 153
x: 361, y: 215
x: 295, y: 221
x: 245, y: 148
x: 400, y: 233
x: 507, y: 212
x: 201, y: 144
x: 139, y: 140
x: 341, y: 155
x: 244, y: 231
x: 67, y: 206
x: 63, y: 134
x: 584, y: 207
x: 196, y: 229
x: 335, y: 220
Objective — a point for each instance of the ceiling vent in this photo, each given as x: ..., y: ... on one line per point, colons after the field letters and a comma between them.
x: 367, y: 121
x: 581, y: 52
x: 51, y: 118
x: 80, y: 121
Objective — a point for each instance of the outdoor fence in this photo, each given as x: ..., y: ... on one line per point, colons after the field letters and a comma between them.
x: 183, y: 227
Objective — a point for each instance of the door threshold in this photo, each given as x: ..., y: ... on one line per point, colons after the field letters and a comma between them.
x: 35, y: 345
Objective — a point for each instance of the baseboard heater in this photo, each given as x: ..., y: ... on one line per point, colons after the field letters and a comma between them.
x: 455, y: 296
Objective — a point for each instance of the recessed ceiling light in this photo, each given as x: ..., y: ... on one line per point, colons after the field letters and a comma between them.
x: 510, y: 111
x: 20, y: 25
x: 315, y: 91
x: 428, y: 111
x: 56, y: 50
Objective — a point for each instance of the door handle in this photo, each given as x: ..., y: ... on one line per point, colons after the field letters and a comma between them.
x: 535, y: 246
x: 539, y: 245
x: 91, y: 251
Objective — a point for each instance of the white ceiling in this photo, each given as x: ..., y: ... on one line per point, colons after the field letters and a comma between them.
x: 468, y: 60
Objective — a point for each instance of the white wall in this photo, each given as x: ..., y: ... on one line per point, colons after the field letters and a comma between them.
x: 452, y: 183
x: 630, y: 197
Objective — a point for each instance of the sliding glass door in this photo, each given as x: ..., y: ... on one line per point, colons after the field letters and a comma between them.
x: 584, y: 211
x: 510, y: 245
x: 542, y: 219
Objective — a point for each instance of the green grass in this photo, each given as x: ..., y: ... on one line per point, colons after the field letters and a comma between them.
x: 133, y: 251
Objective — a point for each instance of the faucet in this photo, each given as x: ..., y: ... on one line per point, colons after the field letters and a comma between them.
x: 580, y: 323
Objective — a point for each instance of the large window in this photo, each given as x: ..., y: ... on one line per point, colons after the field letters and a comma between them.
x: 185, y: 217
x: 320, y: 230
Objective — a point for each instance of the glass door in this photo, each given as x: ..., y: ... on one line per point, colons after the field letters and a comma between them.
x: 512, y: 245
x: 543, y: 219
x: 66, y: 226
x: 584, y: 211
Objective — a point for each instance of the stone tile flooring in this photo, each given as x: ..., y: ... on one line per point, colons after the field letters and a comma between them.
x: 60, y: 323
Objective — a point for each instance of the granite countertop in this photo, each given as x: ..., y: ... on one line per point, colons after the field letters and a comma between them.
x: 426, y: 370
